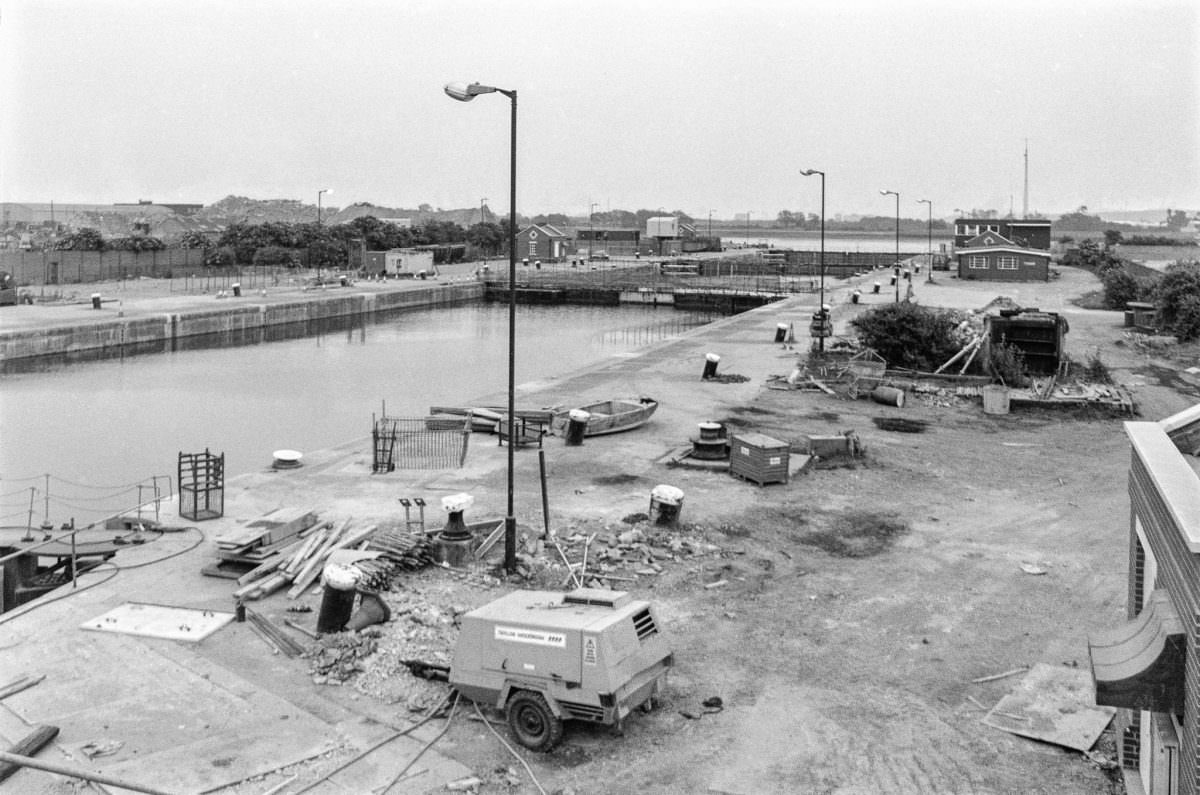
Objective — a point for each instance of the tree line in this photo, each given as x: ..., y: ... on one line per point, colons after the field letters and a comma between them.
x: 278, y: 243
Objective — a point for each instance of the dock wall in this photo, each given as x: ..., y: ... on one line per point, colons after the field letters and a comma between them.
x: 231, y: 317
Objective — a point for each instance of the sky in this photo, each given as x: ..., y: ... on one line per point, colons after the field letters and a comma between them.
x: 706, y: 106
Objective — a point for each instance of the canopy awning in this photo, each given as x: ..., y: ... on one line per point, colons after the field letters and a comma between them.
x: 1140, y: 665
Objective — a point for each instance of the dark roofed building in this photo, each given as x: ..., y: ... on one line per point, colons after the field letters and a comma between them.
x: 992, y: 256
x: 1025, y: 232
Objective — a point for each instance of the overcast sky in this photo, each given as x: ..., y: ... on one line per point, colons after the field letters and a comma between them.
x: 705, y: 105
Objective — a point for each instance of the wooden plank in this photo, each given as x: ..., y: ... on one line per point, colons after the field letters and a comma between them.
x: 16, y: 686
x: 348, y: 541
x: 821, y: 386
x: 312, y: 567
x: 274, y: 526
x: 313, y: 541
x: 28, y: 746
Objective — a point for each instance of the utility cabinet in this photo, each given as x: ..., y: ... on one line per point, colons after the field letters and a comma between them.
x: 758, y: 458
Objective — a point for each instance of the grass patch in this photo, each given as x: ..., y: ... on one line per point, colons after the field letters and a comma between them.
x: 856, y: 534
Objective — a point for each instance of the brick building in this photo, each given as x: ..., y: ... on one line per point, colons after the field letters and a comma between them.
x: 1150, y: 667
x: 542, y: 242
x: 991, y: 256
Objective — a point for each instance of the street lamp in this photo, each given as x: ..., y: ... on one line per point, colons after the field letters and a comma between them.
x: 896, y: 267
x: 710, y: 212
x: 821, y: 309
x: 322, y: 190
x: 482, y: 204
x: 929, y: 229
x: 591, y: 226
x: 465, y: 93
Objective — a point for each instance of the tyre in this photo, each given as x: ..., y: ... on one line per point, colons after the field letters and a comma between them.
x: 532, y: 722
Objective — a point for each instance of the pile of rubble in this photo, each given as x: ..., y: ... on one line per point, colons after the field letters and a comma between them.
x: 425, y: 605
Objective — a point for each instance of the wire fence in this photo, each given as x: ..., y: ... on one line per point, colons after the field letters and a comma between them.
x: 50, y: 500
x: 419, y: 442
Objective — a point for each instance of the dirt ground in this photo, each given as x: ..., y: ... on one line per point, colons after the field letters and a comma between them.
x: 860, y: 602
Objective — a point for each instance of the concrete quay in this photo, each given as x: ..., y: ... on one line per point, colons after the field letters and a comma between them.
x: 143, y: 315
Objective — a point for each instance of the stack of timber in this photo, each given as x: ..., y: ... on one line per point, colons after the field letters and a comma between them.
x: 406, y: 551
x: 261, y: 542
x: 302, y: 564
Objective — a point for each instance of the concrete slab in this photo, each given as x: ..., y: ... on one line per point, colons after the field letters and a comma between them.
x: 1055, y: 704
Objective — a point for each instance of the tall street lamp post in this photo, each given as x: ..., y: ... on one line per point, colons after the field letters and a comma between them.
x: 821, y: 309
x: 482, y: 204
x: 322, y: 190
x: 710, y: 212
x: 591, y: 227
x: 465, y: 93
x: 896, y: 267
x: 929, y: 233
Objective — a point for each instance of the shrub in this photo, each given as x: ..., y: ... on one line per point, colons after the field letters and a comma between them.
x: 274, y: 255
x: 1178, y: 283
x: 1121, y: 287
x: 1186, y: 324
x: 219, y: 258
x: 1007, y: 362
x: 908, y: 335
x: 1096, y: 370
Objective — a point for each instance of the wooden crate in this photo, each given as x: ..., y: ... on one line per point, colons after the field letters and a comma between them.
x: 758, y: 458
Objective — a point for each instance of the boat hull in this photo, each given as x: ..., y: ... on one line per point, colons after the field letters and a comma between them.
x: 612, y: 416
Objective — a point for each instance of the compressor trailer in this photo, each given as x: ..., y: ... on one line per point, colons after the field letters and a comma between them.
x: 543, y: 657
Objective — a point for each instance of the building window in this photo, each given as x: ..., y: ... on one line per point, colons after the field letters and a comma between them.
x: 978, y: 263
x: 533, y: 248
x: 993, y: 228
x: 1006, y: 263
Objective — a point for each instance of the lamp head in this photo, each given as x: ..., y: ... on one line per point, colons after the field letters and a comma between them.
x: 808, y: 172
x: 464, y: 92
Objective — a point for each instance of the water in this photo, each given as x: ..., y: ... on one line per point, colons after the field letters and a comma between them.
x: 100, y: 427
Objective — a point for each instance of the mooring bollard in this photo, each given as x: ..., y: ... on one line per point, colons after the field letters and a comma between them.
x: 710, y: 365
x: 453, y: 544
x: 95, y: 300
x: 337, y: 600
x: 237, y: 290
x: 665, y: 504
x: 577, y: 422
x: 781, y: 332
x: 876, y: 290
x: 854, y: 296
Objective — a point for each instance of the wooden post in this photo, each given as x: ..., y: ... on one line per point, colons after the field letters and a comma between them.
x: 545, y: 495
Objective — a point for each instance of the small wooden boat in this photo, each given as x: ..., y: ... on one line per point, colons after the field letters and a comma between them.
x: 483, y: 420
x: 611, y: 416
x: 489, y: 419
